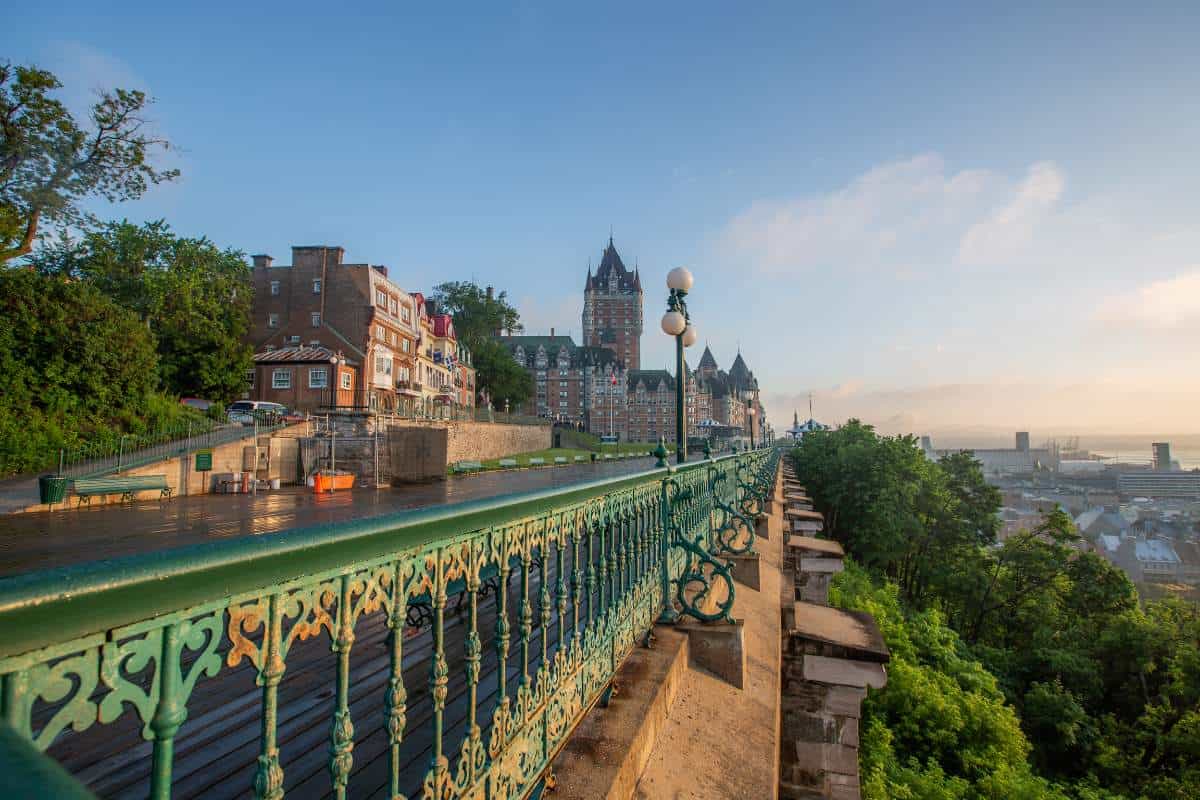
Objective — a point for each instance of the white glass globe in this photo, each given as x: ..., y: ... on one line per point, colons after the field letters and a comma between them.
x: 679, y: 279
x: 673, y: 323
x: 690, y: 335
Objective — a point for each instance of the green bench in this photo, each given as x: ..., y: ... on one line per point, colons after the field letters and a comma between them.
x: 467, y: 466
x: 125, y: 485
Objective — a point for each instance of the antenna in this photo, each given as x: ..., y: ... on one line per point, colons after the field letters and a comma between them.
x: 810, y: 414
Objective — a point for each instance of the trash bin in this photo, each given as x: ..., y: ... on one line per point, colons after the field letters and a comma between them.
x: 52, y: 489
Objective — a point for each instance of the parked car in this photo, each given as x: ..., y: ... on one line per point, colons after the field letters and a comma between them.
x: 247, y: 411
x: 196, y: 403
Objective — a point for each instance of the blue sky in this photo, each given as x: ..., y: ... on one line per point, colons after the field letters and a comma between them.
x: 932, y: 218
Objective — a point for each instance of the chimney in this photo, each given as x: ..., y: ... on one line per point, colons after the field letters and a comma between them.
x: 381, y: 269
x: 262, y: 260
x: 551, y: 331
x: 491, y: 293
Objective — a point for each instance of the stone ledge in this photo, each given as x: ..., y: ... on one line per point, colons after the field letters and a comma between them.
x: 606, y: 754
x: 718, y: 648
x: 746, y: 570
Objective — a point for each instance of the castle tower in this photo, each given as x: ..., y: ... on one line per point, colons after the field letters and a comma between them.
x: 612, y: 309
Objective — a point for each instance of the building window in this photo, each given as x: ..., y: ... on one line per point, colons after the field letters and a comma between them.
x: 381, y: 299
x: 380, y: 333
x: 281, y: 379
x: 250, y: 378
x: 383, y: 366
x: 316, y: 285
x: 274, y: 287
x: 318, y: 378
x: 404, y: 345
x: 347, y: 381
x: 316, y: 319
x: 272, y: 320
x: 392, y: 334
x: 392, y: 306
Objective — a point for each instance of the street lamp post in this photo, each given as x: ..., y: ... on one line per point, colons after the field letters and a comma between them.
x: 750, y: 413
x: 676, y: 322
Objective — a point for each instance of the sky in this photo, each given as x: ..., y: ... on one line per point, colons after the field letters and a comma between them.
x: 931, y: 217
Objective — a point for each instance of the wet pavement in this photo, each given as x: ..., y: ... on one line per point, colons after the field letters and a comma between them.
x: 30, y: 542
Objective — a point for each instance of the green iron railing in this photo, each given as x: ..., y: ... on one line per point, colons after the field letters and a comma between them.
x: 484, y: 631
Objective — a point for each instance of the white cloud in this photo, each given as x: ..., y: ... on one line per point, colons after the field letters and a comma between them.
x: 1009, y: 230
x: 1161, y: 305
x: 899, y: 215
x: 890, y: 215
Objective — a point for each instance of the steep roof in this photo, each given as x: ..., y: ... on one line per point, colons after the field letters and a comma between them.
x: 651, y: 377
x: 303, y: 354
x: 707, y: 359
x: 740, y: 376
x: 612, y: 265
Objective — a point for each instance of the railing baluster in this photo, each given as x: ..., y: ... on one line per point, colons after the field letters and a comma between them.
x: 474, y: 655
x: 502, y: 629
x: 577, y: 582
x: 603, y: 559
x: 439, y: 675
x: 544, y: 601
x: 526, y: 620
x: 341, y: 732
x: 268, y: 778
x: 168, y: 713
x: 396, y: 700
x: 560, y: 589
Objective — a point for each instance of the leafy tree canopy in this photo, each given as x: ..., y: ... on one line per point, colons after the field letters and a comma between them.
x: 193, y: 296
x: 477, y: 318
x: 49, y: 162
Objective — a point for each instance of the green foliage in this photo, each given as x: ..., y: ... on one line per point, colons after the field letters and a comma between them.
x: 477, y: 318
x: 74, y: 366
x: 498, y: 374
x: 49, y: 162
x: 1014, y: 663
x: 940, y: 728
x: 194, y: 297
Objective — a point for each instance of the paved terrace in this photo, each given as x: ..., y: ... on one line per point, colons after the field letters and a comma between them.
x: 43, y: 540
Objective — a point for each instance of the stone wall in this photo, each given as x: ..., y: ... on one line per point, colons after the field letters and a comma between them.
x: 478, y: 441
x: 275, y: 455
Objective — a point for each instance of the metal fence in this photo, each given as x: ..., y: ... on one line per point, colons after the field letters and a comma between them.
x: 134, y: 450
x: 481, y: 635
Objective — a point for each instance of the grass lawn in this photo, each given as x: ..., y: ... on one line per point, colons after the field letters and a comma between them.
x: 569, y: 453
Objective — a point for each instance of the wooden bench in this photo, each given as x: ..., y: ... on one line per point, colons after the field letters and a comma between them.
x: 560, y: 459
x: 508, y: 462
x: 537, y: 462
x: 467, y: 466
x: 125, y: 485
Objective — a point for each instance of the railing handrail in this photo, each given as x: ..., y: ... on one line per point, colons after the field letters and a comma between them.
x: 41, y: 608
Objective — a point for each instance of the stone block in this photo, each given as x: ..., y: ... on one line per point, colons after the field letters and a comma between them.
x: 746, y: 569
x: 849, y: 732
x: 844, y: 672
x: 718, y: 648
x: 762, y: 528
x: 845, y: 700
x: 828, y: 565
x: 822, y: 757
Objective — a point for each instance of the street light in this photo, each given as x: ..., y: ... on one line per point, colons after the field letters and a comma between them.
x: 750, y: 412
x: 677, y: 323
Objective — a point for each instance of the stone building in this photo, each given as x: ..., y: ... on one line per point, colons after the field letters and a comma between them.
x: 612, y: 309
x: 578, y: 385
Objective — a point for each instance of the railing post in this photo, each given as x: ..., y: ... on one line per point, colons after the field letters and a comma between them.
x: 668, y: 615
x: 168, y: 714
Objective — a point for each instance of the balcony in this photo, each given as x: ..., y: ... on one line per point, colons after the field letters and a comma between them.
x: 409, y: 387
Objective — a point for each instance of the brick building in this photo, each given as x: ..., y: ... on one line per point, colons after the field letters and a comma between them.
x: 612, y: 309
x: 305, y: 377
x: 357, y: 311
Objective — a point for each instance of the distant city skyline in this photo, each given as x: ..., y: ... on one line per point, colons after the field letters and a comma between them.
x: 929, y: 217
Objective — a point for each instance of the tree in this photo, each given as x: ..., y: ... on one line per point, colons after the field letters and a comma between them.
x: 193, y: 296
x: 478, y: 316
x: 72, y: 363
x: 506, y: 381
x: 49, y: 162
